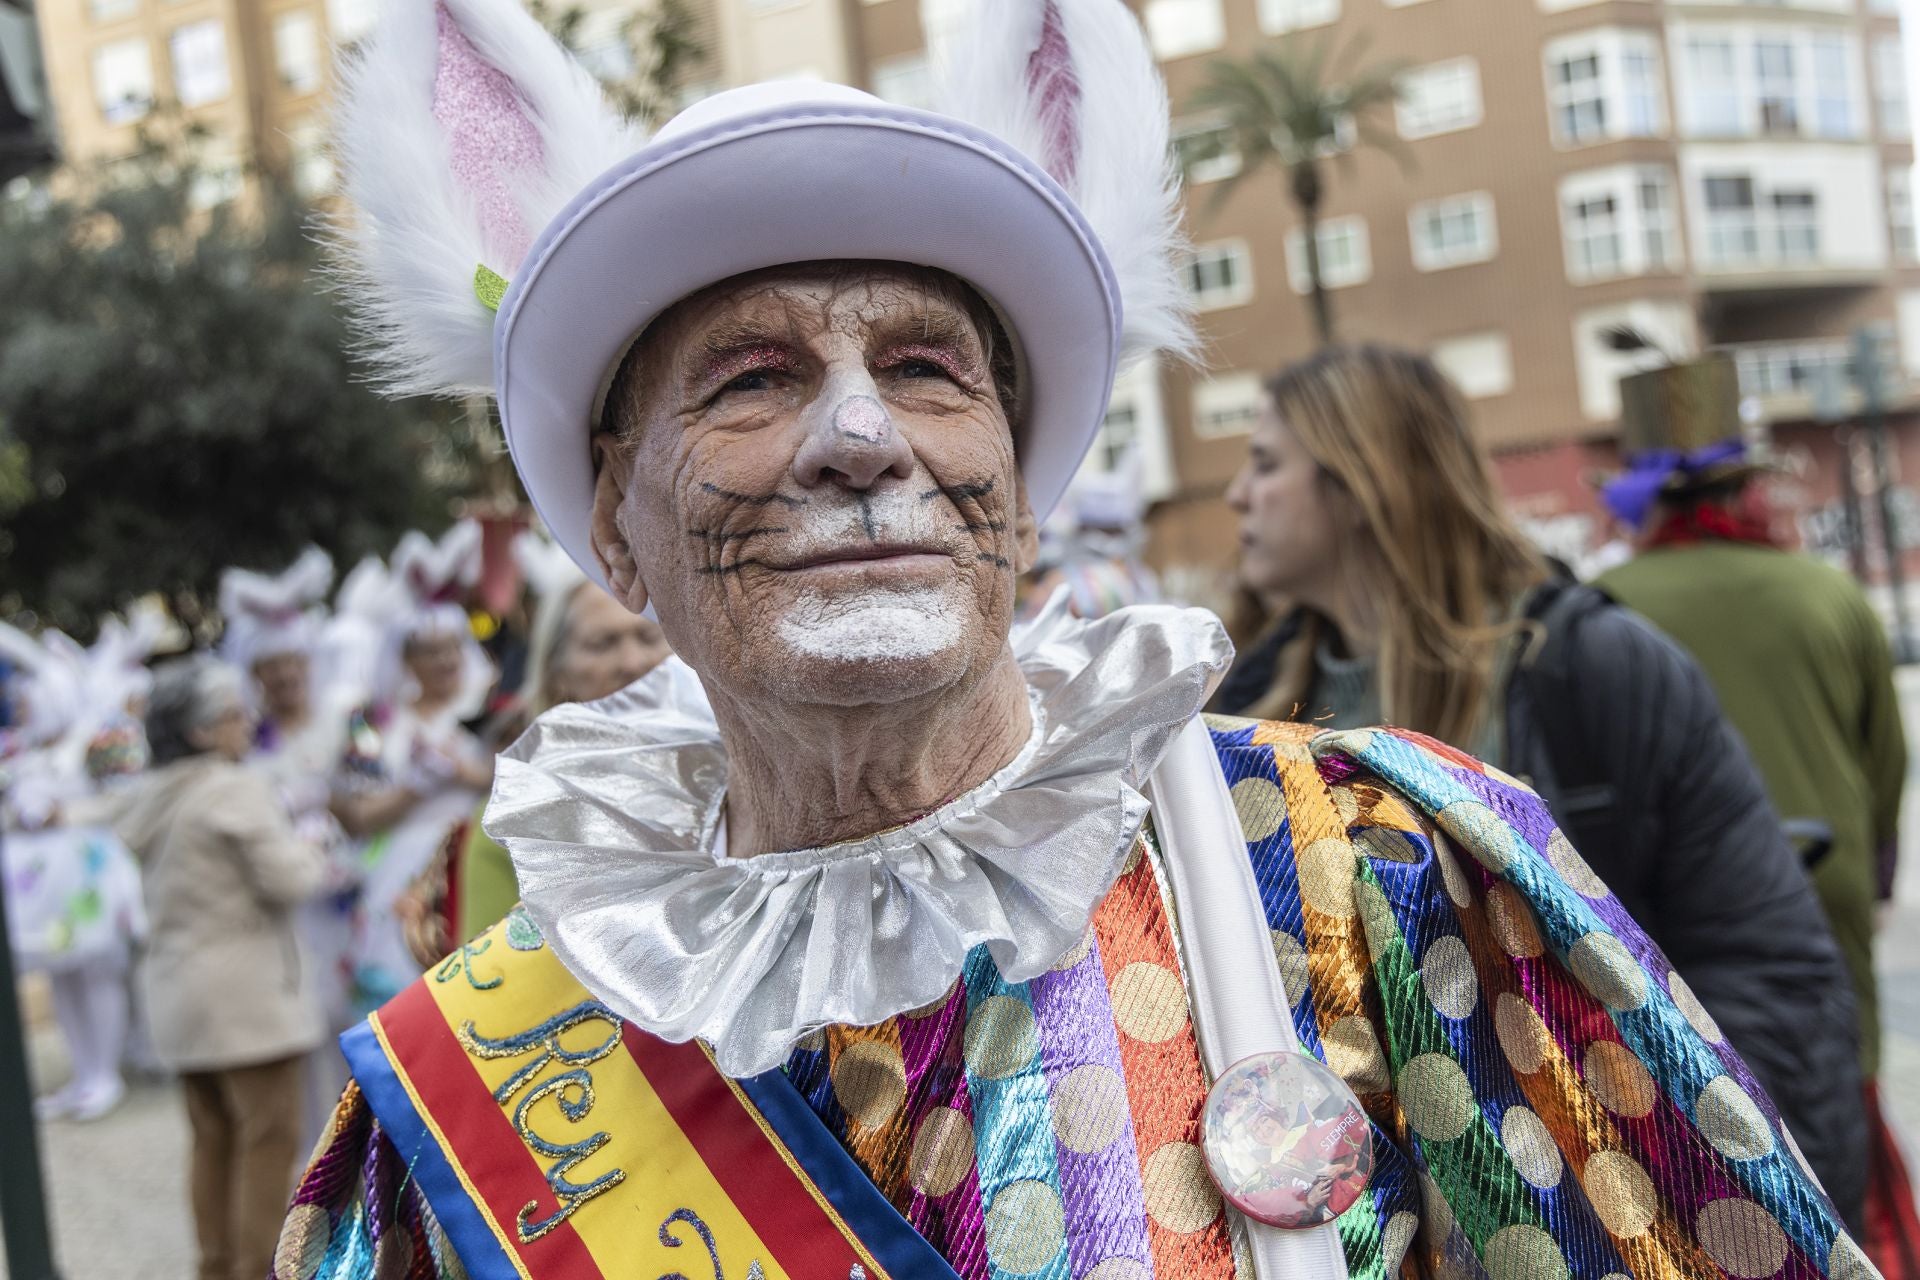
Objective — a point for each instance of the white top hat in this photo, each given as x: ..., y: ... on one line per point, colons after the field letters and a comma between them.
x: 486, y: 169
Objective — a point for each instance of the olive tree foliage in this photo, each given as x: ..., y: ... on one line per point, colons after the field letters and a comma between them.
x: 177, y: 395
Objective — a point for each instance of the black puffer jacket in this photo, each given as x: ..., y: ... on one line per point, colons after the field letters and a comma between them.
x: 1620, y: 733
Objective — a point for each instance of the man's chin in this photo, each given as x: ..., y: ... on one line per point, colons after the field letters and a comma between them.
x: 858, y: 647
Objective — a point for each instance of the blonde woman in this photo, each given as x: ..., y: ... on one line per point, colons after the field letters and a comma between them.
x: 584, y: 647
x: 1366, y: 502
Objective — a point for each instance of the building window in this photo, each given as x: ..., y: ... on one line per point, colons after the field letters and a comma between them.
x: 600, y: 43
x: 1605, y: 84
x: 1205, y: 151
x: 123, y: 80
x: 1220, y: 274
x: 1133, y: 435
x: 1599, y: 368
x: 1480, y: 364
x: 1278, y: 17
x: 1227, y: 405
x: 1788, y: 368
x: 1900, y: 213
x: 348, y: 20
x: 941, y: 21
x: 1641, y: 95
x: 1890, y: 87
x: 1579, y: 98
x: 1713, y: 86
x: 1596, y: 246
x: 1345, y: 256
x: 1776, y: 89
x: 1796, y: 225
x: 1452, y: 232
x: 1439, y: 98
x: 112, y: 10
x: 199, y: 52
x: 1659, y: 227
x: 296, y: 51
x: 1772, y: 80
x: 1832, y: 88
x: 907, y: 81
x: 309, y: 161
x: 1750, y: 225
x: 1180, y: 28
x: 1619, y: 222
x: 1118, y: 430
x: 1733, y: 221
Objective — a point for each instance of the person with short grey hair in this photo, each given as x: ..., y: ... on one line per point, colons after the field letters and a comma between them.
x: 232, y: 1006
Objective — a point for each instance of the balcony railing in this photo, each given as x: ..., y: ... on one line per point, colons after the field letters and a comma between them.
x: 1791, y: 379
x: 1747, y: 238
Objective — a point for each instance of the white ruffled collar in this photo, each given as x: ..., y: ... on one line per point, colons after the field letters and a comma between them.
x: 610, y: 811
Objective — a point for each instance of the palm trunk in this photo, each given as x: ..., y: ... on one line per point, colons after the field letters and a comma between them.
x: 1306, y: 191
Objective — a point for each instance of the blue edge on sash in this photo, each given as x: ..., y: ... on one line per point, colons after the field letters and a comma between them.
x: 892, y: 1241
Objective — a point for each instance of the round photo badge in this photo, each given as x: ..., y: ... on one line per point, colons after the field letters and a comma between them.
x: 1286, y: 1140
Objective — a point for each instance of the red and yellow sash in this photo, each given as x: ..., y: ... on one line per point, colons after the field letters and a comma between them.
x: 554, y: 1140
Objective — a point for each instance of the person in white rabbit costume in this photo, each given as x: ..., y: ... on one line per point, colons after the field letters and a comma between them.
x: 877, y: 938
x: 72, y: 889
x: 412, y: 771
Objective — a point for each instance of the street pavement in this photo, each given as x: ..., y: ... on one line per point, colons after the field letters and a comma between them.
x: 117, y: 1187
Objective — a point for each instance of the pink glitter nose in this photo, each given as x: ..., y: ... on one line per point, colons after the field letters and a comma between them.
x: 863, y: 418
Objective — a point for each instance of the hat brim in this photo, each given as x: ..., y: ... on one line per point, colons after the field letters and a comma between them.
x: 800, y: 185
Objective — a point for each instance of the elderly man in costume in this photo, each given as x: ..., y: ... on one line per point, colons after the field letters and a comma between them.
x: 867, y: 941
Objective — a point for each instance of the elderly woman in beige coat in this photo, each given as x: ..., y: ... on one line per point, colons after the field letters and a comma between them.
x: 232, y: 1005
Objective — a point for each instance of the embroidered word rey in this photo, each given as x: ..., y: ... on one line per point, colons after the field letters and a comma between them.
x: 501, y: 1028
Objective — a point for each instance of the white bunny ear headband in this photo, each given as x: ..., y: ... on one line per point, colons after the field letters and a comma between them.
x: 269, y: 614
x: 436, y: 576
x: 488, y: 175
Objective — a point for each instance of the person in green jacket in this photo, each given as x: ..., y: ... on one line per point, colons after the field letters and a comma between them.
x: 1802, y: 667
x: 585, y: 647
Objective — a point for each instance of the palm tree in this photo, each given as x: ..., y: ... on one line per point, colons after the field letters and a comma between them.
x: 1294, y: 107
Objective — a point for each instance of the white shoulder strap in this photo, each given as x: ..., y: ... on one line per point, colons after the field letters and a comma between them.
x: 1239, y: 999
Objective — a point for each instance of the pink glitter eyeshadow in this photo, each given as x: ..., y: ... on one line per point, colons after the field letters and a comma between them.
x: 727, y: 366
x: 957, y: 364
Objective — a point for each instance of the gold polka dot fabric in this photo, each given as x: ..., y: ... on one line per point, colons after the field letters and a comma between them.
x: 1550, y: 1100
x: 1046, y: 1128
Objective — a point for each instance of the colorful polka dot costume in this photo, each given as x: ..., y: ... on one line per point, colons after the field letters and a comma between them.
x: 1548, y: 1100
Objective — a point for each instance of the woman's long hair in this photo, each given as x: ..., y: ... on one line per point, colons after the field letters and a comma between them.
x: 1442, y: 563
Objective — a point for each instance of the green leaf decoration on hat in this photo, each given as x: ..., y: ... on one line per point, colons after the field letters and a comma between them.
x: 489, y: 286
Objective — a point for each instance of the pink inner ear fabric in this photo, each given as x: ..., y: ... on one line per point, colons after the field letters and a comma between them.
x: 1055, y: 91
x: 492, y: 141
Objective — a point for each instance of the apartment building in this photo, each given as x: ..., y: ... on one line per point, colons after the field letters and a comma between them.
x: 254, y: 74
x: 1713, y: 173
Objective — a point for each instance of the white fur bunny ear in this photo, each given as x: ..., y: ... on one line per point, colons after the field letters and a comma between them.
x: 545, y: 564
x: 1072, y: 84
x: 268, y: 613
x: 461, y: 129
x: 276, y: 596
x: 439, y: 572
x: 52, y: 671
